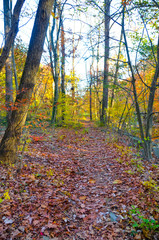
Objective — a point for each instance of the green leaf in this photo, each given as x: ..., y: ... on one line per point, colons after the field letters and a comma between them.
x: 135, y: 225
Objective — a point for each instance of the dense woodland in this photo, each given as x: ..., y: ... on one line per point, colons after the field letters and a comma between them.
x: 79, y: 119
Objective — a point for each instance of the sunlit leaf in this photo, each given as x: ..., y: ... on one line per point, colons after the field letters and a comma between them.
x: 117, y: 182
x: 92, y: 181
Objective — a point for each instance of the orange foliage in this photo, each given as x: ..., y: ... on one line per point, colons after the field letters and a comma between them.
x: 125, y: 2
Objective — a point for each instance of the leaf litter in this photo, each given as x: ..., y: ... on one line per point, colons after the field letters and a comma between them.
x: 73, y: 186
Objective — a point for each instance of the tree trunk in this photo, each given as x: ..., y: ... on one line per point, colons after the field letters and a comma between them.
x: 106, y: 64
x: 54, y: 109
x: 116, y: 72
x: 73, y: 76
x: 14, y: 69
x: 10, y: 140
x: 55, y: 49
x: 8, y: 65
x: 90, y: 94
x: 12, y: 33
x: 146, y: 138
x: 63, y: 70
x: 150, y: 105
x: 133, y: 80
x: 55, y: 70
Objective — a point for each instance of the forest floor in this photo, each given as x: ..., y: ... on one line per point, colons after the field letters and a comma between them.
x: 79, y: 184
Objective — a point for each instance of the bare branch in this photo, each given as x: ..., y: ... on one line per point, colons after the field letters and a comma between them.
x: 156, y: 3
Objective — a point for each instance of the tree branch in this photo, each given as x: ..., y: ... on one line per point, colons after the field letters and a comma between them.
x: 12, y: 33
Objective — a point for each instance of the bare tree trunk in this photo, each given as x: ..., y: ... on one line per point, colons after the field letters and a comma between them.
x: 54, y: 46
x: 73, y: 80
x: 91, y: 77
x: 55, y: 64
x: 133, y: 81
x: 14, y: 69
x: 8, y: 65
x: 11, y: 138
x: 54, y: 109
x: 150, y: 104
x: 106, y: 64
x: 90, y: 94
x: 12, y: 33
x: 116, y: 73
x: 63, y: 70
x: 73, y: 76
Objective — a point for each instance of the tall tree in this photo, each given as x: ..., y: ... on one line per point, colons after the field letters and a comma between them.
x: 11, y: 138
x: 8, y: 66
x: 153, y: 88
x: 90, y: 93
x: 63, y: 69
x: 145, y: 133
x: 106, y: 59
x: 54, y: 36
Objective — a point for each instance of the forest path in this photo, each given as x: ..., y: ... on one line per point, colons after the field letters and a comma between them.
x: 75, y: 184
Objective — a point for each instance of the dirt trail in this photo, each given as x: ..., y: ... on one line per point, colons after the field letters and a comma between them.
x: 73, y: 186
x: 96, y: 202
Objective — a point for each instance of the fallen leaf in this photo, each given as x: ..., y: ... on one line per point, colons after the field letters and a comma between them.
x: 82, y: 205
x: 16, y: 233
x: 46, y: 238
x: 7, y: 220
x: 21, y: 228
x: 82, y: 197
x: 36, y: 222
x: 32, y: 177
x: 43, y: 206
x: 52, y: 225
x: 113, y: 217
x: 138, y: 237
x: 82, y: 210
x: 117, y: 182
x: 91, y: 230
x: 92, y: 181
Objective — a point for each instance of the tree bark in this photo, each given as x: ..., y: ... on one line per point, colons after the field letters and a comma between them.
x: 12, y: 33
x: 90, y: 97
x: 106, y: 64
x: 55, y: 50
x: 55, y: 69
x: 8, y: 65
x: 116, y: 73
x: 10, y: 140
x: 14, y: 69
x: 63, y: 70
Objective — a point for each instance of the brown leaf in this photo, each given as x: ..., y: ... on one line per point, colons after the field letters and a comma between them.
x: 35, y: 222
x: 52, y: 225
x: 43, y: 206
x: 82, y: 197
x: 32, y: 177
x: 138, y: 237
x: 82, y: 205
x: 16, y: 233
x: 92, y: 181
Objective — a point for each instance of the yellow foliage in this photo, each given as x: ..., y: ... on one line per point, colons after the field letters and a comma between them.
x: 6, y: 195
